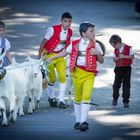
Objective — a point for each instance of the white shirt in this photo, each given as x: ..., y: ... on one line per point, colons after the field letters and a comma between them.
x: 7, y: 45
x: 82, y: 47
x: 121, y: 49
x: 63, y: 36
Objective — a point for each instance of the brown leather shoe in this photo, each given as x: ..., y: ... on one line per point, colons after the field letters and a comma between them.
x: 126, y: 105
x: 114, y: 102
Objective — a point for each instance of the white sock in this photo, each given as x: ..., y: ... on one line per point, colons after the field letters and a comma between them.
x: 62, y: 87
x: 84, y: 112
x: 51, y: 91
x: 77, y: 109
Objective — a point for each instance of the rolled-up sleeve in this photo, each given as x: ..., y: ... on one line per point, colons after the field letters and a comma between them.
x: 99, y: 48
x: 49, y: 33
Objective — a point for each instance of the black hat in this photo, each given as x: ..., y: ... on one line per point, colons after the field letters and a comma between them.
x: 84, y: 26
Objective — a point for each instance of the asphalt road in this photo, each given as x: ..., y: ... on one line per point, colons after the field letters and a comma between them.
x: 26, y: 25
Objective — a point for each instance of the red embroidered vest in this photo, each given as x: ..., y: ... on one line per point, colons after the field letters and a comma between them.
x: 90, y: 59
x: 123, y: 62
x: 55, y: 39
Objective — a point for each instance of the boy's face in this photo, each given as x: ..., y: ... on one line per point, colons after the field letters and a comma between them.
x: 116, y: 45
x: 66, y: 23
x: 90, y: 33
x: 2, y: 31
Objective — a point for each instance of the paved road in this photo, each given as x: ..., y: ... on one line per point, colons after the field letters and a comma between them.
x: 26, y: 25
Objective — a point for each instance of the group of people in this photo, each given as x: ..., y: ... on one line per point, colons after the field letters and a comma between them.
x: 84, y: 54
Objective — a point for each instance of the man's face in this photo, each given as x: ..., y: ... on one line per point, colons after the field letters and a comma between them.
x: 90, y: 33
x: 66, y: 23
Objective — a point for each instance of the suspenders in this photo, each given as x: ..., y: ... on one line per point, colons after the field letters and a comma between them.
x: 2, y: 44
x: 5, y: 59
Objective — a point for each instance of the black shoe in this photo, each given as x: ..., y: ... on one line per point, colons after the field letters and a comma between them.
x: 77, y: 126
x: 84, y: 126
x: 114, y: 102
x: 52, y: 102
x: 62, y: 105
x: 126, y: 105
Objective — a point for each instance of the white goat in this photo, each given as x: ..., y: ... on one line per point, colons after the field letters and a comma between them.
x: 34, y: 82
x: 13, y: 87
x: 34, y: 88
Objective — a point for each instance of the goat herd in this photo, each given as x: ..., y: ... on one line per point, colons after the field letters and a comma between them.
x: 17, y: 81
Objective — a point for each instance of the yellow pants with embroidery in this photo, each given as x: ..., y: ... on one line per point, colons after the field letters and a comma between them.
x: 83, y: 82
x: 60, y: 65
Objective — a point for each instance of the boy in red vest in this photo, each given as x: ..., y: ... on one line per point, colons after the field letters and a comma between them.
x: 123, y: 56
x: 84, y: 54
x: 56, y: 40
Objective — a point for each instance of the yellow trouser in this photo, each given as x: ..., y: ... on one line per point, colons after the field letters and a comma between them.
x: 60, y: 65
x: 83, y: 85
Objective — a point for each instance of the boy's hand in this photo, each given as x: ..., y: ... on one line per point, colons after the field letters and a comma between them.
x: 94, y: 51
x: 121, y: 56
x: 116, y: 58
x: 49, y: 60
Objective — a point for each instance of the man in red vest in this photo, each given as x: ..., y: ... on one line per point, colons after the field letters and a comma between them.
x: 84, y: 54
x: 56, y: 40
x: 123, y: 56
